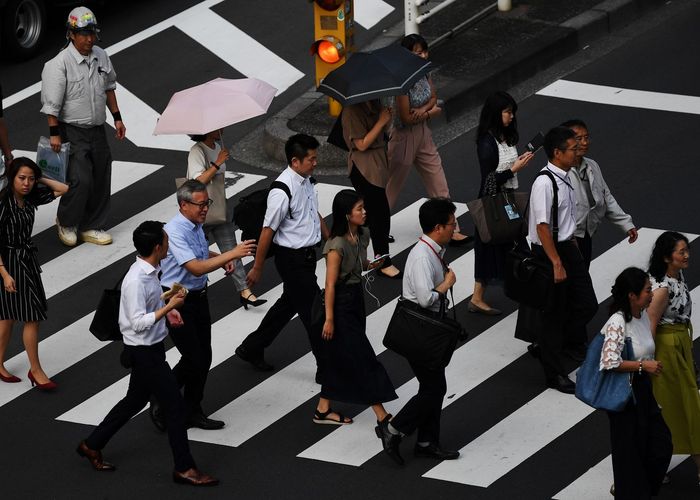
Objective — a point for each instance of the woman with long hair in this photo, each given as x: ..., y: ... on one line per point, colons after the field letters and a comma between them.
x: 500, y: 163
x: 351, y: 372
x: 206, y: 160
x: 364, y: 130
x: 639, y: 438
x: 22, y: 296
x: 669, y: 313
x: 412, y: 142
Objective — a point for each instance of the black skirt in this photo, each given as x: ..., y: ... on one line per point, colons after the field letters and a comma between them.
x: 351, y: 372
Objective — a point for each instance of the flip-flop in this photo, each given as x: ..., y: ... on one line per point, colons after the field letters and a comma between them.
x: 322, y: 418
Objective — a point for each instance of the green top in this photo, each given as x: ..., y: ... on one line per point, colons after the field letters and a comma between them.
x: 353, y: 256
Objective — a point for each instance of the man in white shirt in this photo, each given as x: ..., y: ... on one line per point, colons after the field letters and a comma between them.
x: 141, y: 313
x: 594, y: 201
x: 76, y: 87
x: 426, y: 281
x: 573, y: 302
x: 293, y: 225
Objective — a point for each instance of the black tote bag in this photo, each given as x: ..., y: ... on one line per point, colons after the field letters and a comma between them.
x: 105, y: 322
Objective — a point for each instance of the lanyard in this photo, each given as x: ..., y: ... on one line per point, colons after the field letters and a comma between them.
x: 563, y: 179
x: 444, y: 265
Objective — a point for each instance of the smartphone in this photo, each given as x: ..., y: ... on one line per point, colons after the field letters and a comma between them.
x: 377, y: 259
x: 535, y: 143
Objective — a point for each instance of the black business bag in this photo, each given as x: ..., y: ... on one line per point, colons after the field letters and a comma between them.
x: 424, y: 337
x: 105, y: 322
x: 529, y: 278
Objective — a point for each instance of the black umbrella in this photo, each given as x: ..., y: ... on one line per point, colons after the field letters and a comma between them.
x: 383, y: 72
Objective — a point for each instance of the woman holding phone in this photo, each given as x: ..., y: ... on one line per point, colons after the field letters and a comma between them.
x: 351, y: 372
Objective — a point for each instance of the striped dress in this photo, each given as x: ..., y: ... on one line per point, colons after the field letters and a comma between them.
x: 19, y: 255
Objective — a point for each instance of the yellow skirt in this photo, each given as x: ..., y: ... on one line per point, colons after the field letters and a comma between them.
x: 676, y: 388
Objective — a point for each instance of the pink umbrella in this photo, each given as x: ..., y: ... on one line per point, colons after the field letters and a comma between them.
x: 214, y: 105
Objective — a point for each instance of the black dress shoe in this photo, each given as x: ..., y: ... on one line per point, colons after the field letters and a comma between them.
x: 193, y: 477
x: 562, y: 384
x: 434, y: 451
x: 390, y: 442
x: 534, y: 350
x: 391, y: 239
x: 258, y: 362
x: 201, y: 422
x: 156, y: 414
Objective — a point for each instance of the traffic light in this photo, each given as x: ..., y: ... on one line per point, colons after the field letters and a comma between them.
x: 333, y: 39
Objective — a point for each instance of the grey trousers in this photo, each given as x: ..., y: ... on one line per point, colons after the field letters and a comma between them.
x: 86, y: 204
x: 224, y: 235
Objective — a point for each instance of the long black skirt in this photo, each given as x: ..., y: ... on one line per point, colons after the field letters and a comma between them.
x: 351, y: 372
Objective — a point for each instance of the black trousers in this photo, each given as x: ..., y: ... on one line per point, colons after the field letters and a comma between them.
x: 641, y: 444
x: 378, y: 212
x: 193, y: 340
x: 297, y: 268
x: 423, y: 410
x: 585, y: 245
x: 572, y: 306
x: 150, y: 374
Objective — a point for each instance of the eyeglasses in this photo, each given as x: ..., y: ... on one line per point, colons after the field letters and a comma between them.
x: 202, y: 204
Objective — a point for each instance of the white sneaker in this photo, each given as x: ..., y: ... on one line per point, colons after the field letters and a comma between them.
x: 67, y: 234
x: 96, y: 236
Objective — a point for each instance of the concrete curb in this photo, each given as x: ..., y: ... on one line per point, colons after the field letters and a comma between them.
x: 459, y: 95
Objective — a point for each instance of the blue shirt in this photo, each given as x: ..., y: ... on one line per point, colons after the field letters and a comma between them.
x: 186, y: 242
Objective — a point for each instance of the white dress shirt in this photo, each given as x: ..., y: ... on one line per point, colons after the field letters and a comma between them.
x: 541, y: 205
x: 423, y: 272
x: 140, y: 299
x: 304, y: 229
x: 73, y: 86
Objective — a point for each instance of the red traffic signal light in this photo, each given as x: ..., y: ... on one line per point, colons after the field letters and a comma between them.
x: 329, y: 49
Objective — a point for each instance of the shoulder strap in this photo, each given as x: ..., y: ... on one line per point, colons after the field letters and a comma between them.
x: 281, y: 185
x: 555, y: 203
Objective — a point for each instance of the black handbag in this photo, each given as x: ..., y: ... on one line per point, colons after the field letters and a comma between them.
x: 105, y: 322
x: 499, y: 216
x: 426, y: 338
x: 529, y: 278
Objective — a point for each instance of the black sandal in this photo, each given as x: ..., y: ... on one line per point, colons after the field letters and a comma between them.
x: 322, y: 418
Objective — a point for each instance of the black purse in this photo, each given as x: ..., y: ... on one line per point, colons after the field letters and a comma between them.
x: 105, y: 322
x: 424, y: 337
x: 529, y: 278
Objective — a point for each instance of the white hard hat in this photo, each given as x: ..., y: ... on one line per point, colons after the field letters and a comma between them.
x: 82, y: 19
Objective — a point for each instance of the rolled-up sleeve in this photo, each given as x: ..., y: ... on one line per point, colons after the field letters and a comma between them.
x: 134, y: 304
x: 422, y: 284
x: 53, y: 88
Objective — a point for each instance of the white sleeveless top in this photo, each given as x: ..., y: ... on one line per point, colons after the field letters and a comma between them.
x: 506, y: 158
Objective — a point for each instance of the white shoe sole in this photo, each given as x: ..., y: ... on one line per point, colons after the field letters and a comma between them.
x: 96, y: 241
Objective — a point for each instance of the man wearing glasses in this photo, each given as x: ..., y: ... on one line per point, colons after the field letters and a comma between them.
x: 188, y: 261
x: 573, y: 302
x: 594, y: 201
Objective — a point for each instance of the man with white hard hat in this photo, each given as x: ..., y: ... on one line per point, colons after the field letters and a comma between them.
x: 76, y: 86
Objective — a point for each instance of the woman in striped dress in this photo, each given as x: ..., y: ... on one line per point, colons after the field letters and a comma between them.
x: 22, y: 295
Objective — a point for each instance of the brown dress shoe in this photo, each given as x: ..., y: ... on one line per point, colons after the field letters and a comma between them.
x: 194, y: 477
x: 94, y: 457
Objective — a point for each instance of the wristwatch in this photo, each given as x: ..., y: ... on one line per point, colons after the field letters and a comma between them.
x: 214, y: 165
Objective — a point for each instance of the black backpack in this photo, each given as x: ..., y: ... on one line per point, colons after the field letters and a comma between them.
x: 249, y: 214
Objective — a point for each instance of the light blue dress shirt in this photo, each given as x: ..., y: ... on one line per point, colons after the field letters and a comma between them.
x: 186, y: 242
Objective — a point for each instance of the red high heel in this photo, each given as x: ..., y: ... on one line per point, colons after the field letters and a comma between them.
x: 48, y: 386
x: 11, y: 379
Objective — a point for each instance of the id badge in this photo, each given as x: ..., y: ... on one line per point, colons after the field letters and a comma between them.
x: 512, y: 212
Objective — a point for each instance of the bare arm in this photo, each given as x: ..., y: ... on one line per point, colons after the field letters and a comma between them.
x: 58, y: 188
x: 378, y: 128
x: 114, y: 108
x: 5, y: 141
x: 659, y: 302
x: 333, y: 260
x: 325, y: 232
x: 550, y: 249
x: 264, y: 244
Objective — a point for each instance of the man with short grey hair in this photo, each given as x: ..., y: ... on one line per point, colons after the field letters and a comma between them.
x: 188, y: 261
